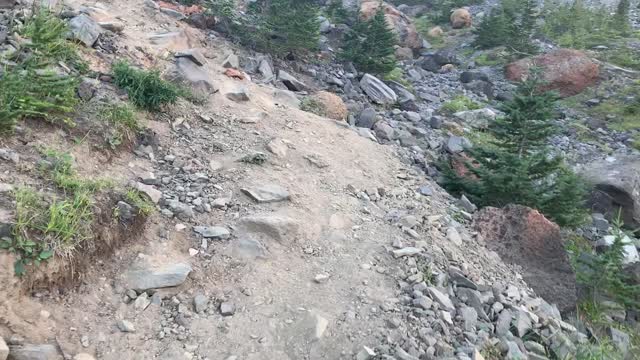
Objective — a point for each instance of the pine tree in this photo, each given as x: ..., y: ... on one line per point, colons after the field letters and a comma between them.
x: 370, y: 45
x: 281, y: 27
x: 517, y: 166
x: 512, y: 24
x: 621, y: 18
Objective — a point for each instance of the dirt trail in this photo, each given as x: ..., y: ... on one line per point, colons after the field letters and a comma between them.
x: 280, y: 311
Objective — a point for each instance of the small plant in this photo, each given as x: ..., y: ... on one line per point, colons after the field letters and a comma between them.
x: 311, y: 105
x: 145, y: 88
x: 123, y: 123
x: 370, y: 45
x: 460, y: 103
x: 139, y: 201
x: 58, y: 167
x: 397, y: 75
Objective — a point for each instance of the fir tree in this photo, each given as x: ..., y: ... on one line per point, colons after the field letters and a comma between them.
x: 281, y: 27
x: 512, y: 24
x: 517, y: 166
x: 621, y: 18
x: 370, y: 45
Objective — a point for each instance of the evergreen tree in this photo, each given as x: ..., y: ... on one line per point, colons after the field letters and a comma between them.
x: 512, y: 24
x: 621, y: 18
x: 281, y: 26
x: 517, y: 166
x: 370, y: 45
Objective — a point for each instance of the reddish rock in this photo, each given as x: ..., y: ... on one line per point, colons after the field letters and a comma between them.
x: 460, y: 18
x: 234, y: 74
x: 401, y: 24
x: 566, y: 71
x: 524, y: 237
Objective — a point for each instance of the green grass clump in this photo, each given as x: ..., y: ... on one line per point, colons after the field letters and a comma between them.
x: 58, y: 227
x: 397, y: 75
x: 311, y: 105
x: 139, y: 201
x: 145, y: 88
x: 624, y: 57
x: 58, y: 167
x: 460, y: 103
x: 123, y: 123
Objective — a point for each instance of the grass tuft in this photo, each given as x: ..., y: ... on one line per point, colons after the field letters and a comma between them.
x: 139, y: 201
x: 460, y: 103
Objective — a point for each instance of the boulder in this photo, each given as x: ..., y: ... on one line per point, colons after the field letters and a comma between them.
x: 290, y: 81
x: 4, y: 349
x: 460, y: 18
x: 267, y: 193
x: 84, y: 29
x: 616, y: 188
x: 187, y: 73
x: 401, y: 24
x: 566, y: 71
x: 367, y: 118
x: 332, y: 105
x: 435, y: 32
x: 281, y: 229
x: 194, y: 55
x: 523, y: 236
x: 478, y: 119
x: 147, y: 278
x: 377, y: 90
x: 7, y: 4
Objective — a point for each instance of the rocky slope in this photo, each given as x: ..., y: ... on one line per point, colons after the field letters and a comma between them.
x: 285, y: 235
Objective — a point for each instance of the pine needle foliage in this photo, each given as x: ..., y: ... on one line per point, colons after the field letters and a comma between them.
x: 145, y: 88
x: 370, y: 45
x: 512, y: 24
x: 517, y: 166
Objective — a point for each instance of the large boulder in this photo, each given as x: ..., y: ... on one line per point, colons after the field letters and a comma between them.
x: 460, y: 18
x: 524, y: 237
x: 331, y: 105
x: 401, y: 24
x: 377, y: 90
x: 188, y: 73
x: 566, y: 71
x: 616, y: 188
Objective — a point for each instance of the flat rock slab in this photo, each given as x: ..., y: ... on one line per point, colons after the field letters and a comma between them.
x: 442, y: 299
x: 194, y: 55
x: 267, y: 193
x: 188, y: 73
x: 282, y: 229
x: 157, y: 277
x: 213, y: 232
x: 34, y: 352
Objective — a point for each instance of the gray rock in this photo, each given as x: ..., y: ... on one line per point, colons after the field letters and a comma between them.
x: 456, y: 276
x: 534, y: 347
x: 232, y: 61
x: 9, y: 155
x: 4, y: 349
x: 192, y: 54
x: 469, y: 318
x: 7, y: 4
x: 599, y: 222
x: 561, y: 346
x: 367, y: 118
x: 325, y: 25
x: 173, y: 13
x: 479, y: 118
x: 457, y: 144
x: 157, y: 277
x: 467, y: 205
x: 522, y: 323
x: 616, y: 186
x: 412, y: 116
x: 514, y: 352
x: 436, y: 122
x: 112, y: 26
x: 238, y: 95
x: 281, y: 229
x: 469, y: 76
x: 423, y: 302
x: 425, y: 190
x: 441, y: 298
x: 227, y: 309
x: 384, y: 131
x: 365, y: 354
x: 126, y: 326
x: 187, y: 73
x: 403, y: 355
x: 249, y: 248
x: 213, y: 232
x: 286, y: 97
x: 408, y: 251
x: 34, y: 352
x: 454, y: 236
x: 377, y: 90
x: 87, y: 88
x: 84, y: 29
x: 620, y: 339
x: 265, y: 69
x: 200, y: 303
x: 267, y: 193
x: 142, y: 302
x: 504, y: 323
x: 291, y: 82
x: 153, y: 194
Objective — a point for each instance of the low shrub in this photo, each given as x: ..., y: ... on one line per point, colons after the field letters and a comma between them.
x: 145, y: 88
x: 460, y: 103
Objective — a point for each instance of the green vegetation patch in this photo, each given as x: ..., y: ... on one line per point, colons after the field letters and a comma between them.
x: 122, y: 121
x: 460, y: 103
x: 145, y: 88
